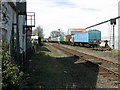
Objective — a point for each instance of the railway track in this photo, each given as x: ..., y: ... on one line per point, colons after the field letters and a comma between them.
x: 96, y: 48
x: 106, y: 67
x: 91, y: 56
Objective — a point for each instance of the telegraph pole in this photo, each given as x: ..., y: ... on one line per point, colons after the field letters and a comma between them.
x: 59, y: 36
x: 113, y: 41
x: 113, y: 23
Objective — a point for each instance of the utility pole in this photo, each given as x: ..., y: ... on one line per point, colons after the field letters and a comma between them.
x: 113, y: 41
x: 59, y: 36
x: 113, y: 23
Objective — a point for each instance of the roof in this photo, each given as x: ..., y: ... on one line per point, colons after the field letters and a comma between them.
x: 78, y: 29
x: 34, y: 37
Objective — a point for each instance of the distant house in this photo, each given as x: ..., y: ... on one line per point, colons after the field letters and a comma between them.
x: 34, y: 39
x: 75, y: 30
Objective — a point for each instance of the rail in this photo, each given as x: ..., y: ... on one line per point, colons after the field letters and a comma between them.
x: 78, y: 54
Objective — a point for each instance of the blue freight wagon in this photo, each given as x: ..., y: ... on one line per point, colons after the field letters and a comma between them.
x: 89, y: 38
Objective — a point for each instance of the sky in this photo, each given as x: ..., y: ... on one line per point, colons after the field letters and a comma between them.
x: 63, y: 14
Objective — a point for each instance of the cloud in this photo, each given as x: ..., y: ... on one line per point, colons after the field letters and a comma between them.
x: 64, y: 14
x: 91, y: 9
x: 60, y: 3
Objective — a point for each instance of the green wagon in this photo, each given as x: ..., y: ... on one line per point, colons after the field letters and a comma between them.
x: 62, y: 39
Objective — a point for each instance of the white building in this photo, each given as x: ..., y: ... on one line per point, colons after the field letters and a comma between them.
x: 14, y: 17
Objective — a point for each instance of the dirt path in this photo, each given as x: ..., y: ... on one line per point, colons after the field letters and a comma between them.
x: 51, y: 68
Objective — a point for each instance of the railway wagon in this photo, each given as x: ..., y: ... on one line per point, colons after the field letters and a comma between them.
x: 54, y: 40
x: 67, y: 39
x: 49, y: 39
x: 62, y: 39
x: 87, y: 38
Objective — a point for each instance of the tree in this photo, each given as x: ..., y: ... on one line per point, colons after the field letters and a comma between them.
x: 39, y: 32
x: 57, y: 33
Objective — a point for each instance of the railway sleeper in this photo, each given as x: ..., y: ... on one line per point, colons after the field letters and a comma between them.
x: 94, y: 62
x: 115, y: 69
x: 113, y: 79
x: 109, y: 75
x: 91, y: 64
x: 101, y: 73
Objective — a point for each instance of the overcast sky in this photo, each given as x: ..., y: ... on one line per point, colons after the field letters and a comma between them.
x: 63, y: 14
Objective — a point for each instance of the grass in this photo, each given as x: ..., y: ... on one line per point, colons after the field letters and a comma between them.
x: 117, y: 52
x: 49, y: 71
x: 44, y: 68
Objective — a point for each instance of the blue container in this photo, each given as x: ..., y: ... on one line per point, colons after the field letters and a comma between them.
x: 94, y: 35
x: 81, y: 37
x: 88, y: 36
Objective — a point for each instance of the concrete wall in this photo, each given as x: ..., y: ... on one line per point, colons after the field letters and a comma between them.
x: 7, y: 27
x: 7, y: 21
x: 22, y: 36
